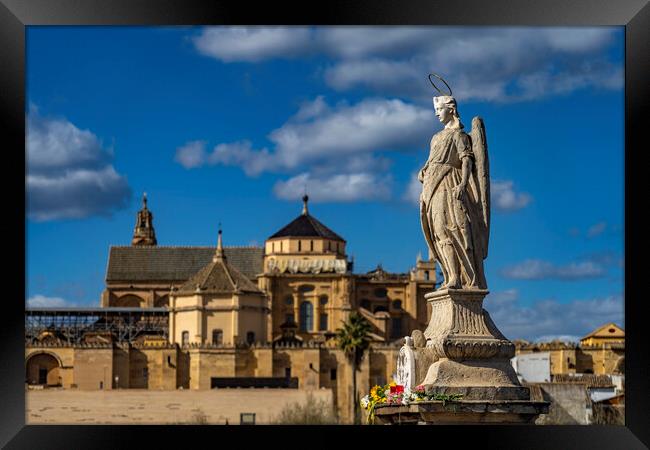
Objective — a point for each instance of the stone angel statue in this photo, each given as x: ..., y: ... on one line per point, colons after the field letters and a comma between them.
x: 455, y: 199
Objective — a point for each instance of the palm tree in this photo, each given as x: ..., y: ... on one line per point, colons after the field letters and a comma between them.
x: 354, y: 340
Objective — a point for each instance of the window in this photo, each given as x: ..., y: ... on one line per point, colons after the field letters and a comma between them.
x: 381, y: 292
x: 397, y: 304
x: 288, y: 300
x: 162, y: 301
x: 250, y: 337
x: 323, y: 299
x: 185, y: 339
x: 299, y: 246
x: 332, y: 374
x: 365, y: 303
x: 306, y: 288
x: 396, y: 330
x: 287, y: 372
x: 322, y: 325
x: 426, y: 274
x: 289, y: 318
x: 311, y: 246
x: 306, y: 316
x: 380, y: 309
x: 273, y: 246
x: 145, y: 372
x: 217, y: 337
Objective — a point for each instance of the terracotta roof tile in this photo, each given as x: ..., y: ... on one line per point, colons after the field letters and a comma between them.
x: 219, y: 276
x: 175, y: 264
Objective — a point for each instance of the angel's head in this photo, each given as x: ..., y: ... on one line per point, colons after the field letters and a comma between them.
x: 446, y: 110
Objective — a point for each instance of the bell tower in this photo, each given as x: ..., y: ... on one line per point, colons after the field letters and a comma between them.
x: 144, y: 233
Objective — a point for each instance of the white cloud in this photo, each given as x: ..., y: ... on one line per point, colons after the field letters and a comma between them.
x: 336, y: 188
x: 191, y: 155
x: 41, y: 301
x: 576, y: 39
x: 596, y: 229
x: 413, y: 189
x: 69, y: 173
x: 340, y: 135
x: 550, y: 318
x: 504, y: 198
x: 368, y: 126
x: 378, y: 74
x: 536, y: 269
x: 482, y: 63
x: 352, y: 42
x: 243, y: 155
x: 311, y: 109
x: 252, y: 44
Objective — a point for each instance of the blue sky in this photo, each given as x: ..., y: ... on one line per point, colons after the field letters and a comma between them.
x: 231, y: 124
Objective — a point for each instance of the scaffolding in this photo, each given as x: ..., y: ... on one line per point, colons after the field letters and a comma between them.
x: 74, y: 325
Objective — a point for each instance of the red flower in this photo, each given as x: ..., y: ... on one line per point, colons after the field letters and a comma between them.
x: 396, y: 389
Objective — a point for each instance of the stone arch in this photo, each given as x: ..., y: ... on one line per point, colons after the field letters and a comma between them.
x: 620, y: 366
x: 129, y: 300
x: 161, y: 302
x: 43, y: 368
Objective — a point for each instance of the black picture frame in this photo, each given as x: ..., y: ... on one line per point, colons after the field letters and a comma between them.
x: 634, y: 15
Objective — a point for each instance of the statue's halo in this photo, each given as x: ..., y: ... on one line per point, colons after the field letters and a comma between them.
x: 436, y: 87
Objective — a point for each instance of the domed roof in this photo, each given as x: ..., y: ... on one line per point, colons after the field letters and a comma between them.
x: 306, y: 225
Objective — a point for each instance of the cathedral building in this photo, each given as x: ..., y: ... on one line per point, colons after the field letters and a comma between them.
x: 300, y: 276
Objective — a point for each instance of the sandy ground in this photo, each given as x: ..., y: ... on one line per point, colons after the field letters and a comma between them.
x: 136, y: 406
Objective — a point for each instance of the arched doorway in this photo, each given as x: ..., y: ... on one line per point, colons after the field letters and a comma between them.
x: 43, y: 369
x: 129, y: 300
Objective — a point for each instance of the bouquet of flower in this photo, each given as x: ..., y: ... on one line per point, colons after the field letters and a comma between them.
x: 395, y: 394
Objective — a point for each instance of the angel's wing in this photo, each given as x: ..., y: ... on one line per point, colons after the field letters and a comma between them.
x: 479, y: 147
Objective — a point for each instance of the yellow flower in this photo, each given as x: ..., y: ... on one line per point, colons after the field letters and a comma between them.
x: 392, y: 383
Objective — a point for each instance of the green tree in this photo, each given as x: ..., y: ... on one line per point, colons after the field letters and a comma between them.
x: 354, y: 340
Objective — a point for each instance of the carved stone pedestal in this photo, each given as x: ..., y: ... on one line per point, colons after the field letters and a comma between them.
x: 461, y: 352
x: 467, y: 347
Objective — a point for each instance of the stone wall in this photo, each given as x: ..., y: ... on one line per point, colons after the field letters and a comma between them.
x: 93, y: 368
x: 570, y: 404
x: 169, y: 367
x: 146, y: 406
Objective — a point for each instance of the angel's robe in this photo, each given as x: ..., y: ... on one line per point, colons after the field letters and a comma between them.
x: 445, y: 219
